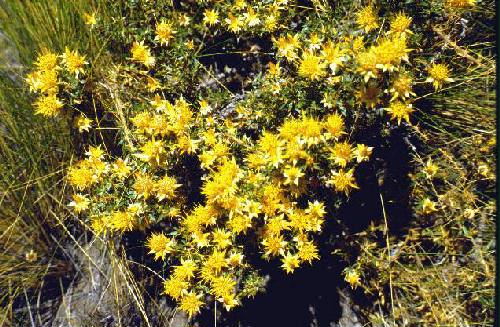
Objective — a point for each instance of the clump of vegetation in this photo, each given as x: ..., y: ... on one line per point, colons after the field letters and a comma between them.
x: 209, y: 167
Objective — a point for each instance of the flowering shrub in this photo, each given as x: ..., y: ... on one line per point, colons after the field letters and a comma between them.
x: 265, y: 155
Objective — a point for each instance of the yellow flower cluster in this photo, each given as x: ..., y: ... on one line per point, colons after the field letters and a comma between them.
x: 45, y: 79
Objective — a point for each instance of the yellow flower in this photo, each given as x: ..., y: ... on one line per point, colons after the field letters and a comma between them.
x: 144, y: 186
x: 251, y: 17
x: 400, y: 110
x: 439, y: 74
x: 362, y: 152
x: 184, y: 19
x: 122, y: 221
x: 221, y: 238
x: 430, y: 169
x: 287, y: 46
x: 334, y: 126
x: 44, y: 81
x: 159, y: 245
x: 290, y: 262
x: 142, y: 54
x: 165, y: 188
x: 186, y: 270
x: 153, y: 84
x: 80, y: 202
x: 81, y: 175
x: 402, y: 87
x: 210, y: 17
x: 273, y: 245
x: 367, y: 64
x: 234, y: 23
x: 367, y: 18
x: 120, y: 168
x: 343, y: 181
x: 48, y: 105
x: 83, y: 123
x: 239, y: 223
x: 461, y: 3
x: 73, y: 61
x: 95, y: 153
x: 46, y: 61
x: 164, y: 32
x: 312, y: 66
x: 99, y: 225
x: 90, y: 19
x: 307, y: 251
x: 216, y: 261
x: 334, y: 55
x: 222, y: 286
x: 190, y: 303
x: 151, y: 151
x: 292, y: 175
x: 428, y: 206
x: 341, y: 153
x: 390, y: 52
x: 175, y: 288
x: 400, y: 24
x: 352, y: 277
x: 31, y: 256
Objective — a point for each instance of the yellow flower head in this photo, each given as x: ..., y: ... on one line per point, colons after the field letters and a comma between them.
x: 175, y: 288
x: 152, y: 151
x: 292, y: 175
x: 81, y: 175
x: 334, y: 126
x: 122, y: 221
x: 142, y: 54
x: 352, y: 277
x: 430, y: 169
x: 400, y: 24
x: 273, y: 245
x: 120, y: 168
x: 90, y: 19
x: 400, y: 110
x: 290, y: 262
x: 190, y: 303
x: 48, y: 105
x: 458, y: 4
x: 341, y: 153
x: 402, y: 87
x: 159, y: 245
x: 80, y: 203
x: 165, y: 188
x: 287, y: 46
x: 210, y: 17
x: 44, y: 81
x: 83, y: 123
x: 362, y: 152
x: 367, y: 64
x: 186, y: 270
x: 334, y: 55
x: 438, y: 75
x: 367, y: 18
x: 46, y: 61
x: 144, y: 185
x: 164, y: 32
x: 221, y: 238
x: 312, y: 66
x: 307, y: 251
x: 73, y: 61
x: 428, y: 206
x: 343, y: 181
